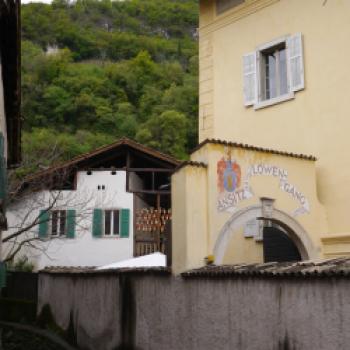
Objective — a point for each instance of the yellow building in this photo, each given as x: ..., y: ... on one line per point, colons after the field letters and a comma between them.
x: 274, y: 78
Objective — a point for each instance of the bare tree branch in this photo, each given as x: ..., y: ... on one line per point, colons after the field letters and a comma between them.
x: 40, y: 196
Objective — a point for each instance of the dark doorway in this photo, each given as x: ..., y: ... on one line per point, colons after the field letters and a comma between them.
x: 278, y: 246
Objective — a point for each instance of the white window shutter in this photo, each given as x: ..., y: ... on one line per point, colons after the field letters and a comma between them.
x: 296, y: 64
x: 250, y: 78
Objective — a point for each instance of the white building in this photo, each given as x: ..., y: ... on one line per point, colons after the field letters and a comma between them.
x: 83, y: 212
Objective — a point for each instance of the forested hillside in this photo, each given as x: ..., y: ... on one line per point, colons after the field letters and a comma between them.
x: 94, y: 71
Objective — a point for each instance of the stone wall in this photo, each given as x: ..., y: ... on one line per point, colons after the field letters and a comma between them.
x: 159, y: 311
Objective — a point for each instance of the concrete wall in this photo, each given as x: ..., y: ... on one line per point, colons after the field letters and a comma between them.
x: 84, y: 249
x: 316, y: 121
x: 163, y: 312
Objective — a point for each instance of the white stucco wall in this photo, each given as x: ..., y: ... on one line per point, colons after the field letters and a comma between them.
x: 84, y: 249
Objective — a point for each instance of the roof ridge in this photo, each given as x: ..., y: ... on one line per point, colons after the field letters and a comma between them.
x: 122, y: 141
x: 253, y: 148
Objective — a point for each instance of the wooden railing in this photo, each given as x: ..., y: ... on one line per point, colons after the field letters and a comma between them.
x: 144, y: 248
x: 155, y: 242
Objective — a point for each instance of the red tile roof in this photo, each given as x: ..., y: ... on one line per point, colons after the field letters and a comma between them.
x: 254, y: 148
x: 122, y: 142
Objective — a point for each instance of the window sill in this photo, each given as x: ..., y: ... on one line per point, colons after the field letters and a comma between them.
x: 274, y: 101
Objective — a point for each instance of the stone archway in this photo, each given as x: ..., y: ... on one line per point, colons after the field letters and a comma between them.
x: 265, y: 211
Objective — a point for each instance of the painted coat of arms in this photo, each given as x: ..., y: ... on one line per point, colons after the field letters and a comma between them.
x: 229, y: 174
x: 231, y: 193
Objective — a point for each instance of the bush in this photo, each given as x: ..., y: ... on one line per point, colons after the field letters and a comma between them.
x: 15, y: 310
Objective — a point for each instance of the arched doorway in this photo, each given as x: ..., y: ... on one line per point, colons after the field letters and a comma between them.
x: 286, y: 224
x: 278, y: 246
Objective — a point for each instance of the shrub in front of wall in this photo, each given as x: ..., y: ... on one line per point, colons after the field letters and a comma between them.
x: 17, y: 339
x: 15, y: 310
x: 46, y: 320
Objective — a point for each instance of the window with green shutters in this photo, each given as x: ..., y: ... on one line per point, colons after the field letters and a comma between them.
x: 125, y: 223
x: 57, y: 223
x: 111, y: 223
x: 97, y: 223
x: 71, y: 215
x: 44, y: 219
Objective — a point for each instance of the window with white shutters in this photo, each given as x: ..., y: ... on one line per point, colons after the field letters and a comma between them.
x: 250, y: 75
x: 296, y: 66
x: 273, y: 72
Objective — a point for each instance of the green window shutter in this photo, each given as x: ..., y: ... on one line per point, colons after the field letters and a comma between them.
x: 97, y: 223
x: 70, y: 223
x: 3, y: 170
x: 2, y: 275
x: 44, y: 224
x: 125, y: 223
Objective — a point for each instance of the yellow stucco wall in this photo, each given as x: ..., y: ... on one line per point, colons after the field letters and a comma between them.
x: 316, y: 121
x: 240, y: 249
x: 190, y: 220
x: 198, y: 221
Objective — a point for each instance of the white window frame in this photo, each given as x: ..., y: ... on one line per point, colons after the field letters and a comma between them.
x: 111, y: 235
x: 258, y: 102
x: 58, y: 224
x: 262, y: 103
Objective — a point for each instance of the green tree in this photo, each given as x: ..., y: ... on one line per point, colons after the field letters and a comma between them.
x: 166, y: 132
x: 121, y: 68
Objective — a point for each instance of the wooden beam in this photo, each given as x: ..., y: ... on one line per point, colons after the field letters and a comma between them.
x: 150, y: 170
x: 152, y: 159
x: 132, y: 170
x: 128, y: 161
x: 153, y: 181
x: 101, y: 159
x: 152, y: 192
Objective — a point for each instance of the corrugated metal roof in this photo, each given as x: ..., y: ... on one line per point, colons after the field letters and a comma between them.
x: 254, y: 148
x: 322, y: 268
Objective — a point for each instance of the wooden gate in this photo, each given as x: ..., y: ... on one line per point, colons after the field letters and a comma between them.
x: 278, y: 247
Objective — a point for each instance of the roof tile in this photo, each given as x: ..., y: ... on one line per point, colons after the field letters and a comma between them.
x: 254, y: 148
x: 331, y: 267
